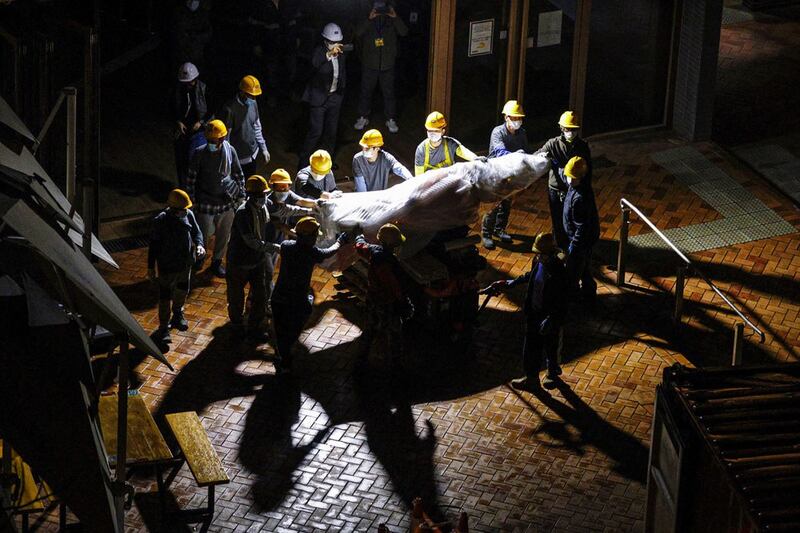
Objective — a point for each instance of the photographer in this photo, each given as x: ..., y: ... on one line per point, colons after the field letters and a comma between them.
x: 325, y: 92
x: 378, y: 35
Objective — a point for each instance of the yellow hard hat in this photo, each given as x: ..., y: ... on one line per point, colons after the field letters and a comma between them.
x: 569, y: 120
x: 390, y: 235
x: 435, y: 121
x: 576, y: 167
x: 321, y: 162
x: 256, y: 185
x: 544, y: 243
x: 280, y: 176
x: 250, y: 85
x: 216, y: 130
x: 307, y: 226
x: 512, y: 108
x: 371, y: 138
x: 178, y: 199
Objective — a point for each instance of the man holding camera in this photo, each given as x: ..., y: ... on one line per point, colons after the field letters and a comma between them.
x: 325, y: 92
x: 378, y: 36
x: 544, y: 308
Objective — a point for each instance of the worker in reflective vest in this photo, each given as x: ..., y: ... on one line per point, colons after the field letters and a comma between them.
x: 438, y: 150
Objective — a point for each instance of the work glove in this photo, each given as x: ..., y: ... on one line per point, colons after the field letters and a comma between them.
x: 343, y: 238
x: 320, y: 203
x: 201, y: 252
x: 151, y: 274
x: 546, y: 327
x: 336, y: 194
x: 266, y: 156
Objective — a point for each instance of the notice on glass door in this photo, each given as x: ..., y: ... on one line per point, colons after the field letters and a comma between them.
x: 549, y: 29
x: 481, y: 34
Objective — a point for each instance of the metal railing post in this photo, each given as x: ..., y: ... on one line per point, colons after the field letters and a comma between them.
x: 88, y: 217
x: 680, y: 283
x: 72, y: 117
x: 623, y: 243
x: 738, y: 340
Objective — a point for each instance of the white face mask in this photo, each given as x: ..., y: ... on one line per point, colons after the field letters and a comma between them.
x: 318, y: 177
x: 434, y: 136
x: 192, y: 5
x: 514, y: 125
x: 570, y: 135
x: 260, y: 201
x: 371, y: 154
x: 281, y: 195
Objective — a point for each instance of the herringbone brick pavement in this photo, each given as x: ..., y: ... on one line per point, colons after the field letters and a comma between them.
x: 343, y: 446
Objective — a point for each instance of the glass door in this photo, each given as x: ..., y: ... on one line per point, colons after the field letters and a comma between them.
x: 480, y: 53
x: 545, y: 77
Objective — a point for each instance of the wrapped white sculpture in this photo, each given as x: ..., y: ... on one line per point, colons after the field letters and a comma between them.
x: 437, y: 200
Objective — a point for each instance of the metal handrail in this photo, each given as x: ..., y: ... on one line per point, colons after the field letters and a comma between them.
x: 626, y: 207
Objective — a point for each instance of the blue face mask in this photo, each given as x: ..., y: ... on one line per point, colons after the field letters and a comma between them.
x: 213, y: 147
x: 250, y: 101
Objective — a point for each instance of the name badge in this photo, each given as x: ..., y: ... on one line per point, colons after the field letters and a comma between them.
x: 378, y: 42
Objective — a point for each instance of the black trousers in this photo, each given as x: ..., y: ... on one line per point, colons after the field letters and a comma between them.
x: 248, y: 169
x: 289, y: 319
x: 556, y: 200
x: 580, y: 273
x: 323, y: 125
x: 536, y: 345
x: 182, y: 159
x: 496, y: 220
x: 237, y: 279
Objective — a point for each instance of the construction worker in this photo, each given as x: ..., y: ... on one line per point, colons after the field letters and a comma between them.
x: 438, y: 150
x: 387, y: 303
x: 316, y: 180
x: 324, y: 92
x: 175, y: 243
x: 249, y: 252
x: 506, y: 138
x: 582, y: 227
x: 291, y: 301
x: 378, y: 44
x: 243, y: 120
x: 545, y: 308
x: 372, y: 165
x: 190, y: 112
x: 560, y: 150
x: 216, y: 186
x: 285, y: 206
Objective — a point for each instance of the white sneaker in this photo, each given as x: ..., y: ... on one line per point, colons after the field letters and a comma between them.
x: 361, y: 123
x: 392, y: 125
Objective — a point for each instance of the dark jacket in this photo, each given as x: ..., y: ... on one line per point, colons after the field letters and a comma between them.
x: 297, y: 265
x: 545, y: 295
x: 190, y: 106
x: 385, y: 273
x: 382, y: 27
x: 250, y: 240
x: 502, y: 141
x: 560, y: 152
x: 173, y: 242
x: 580, y: 218
x: 319, y: 85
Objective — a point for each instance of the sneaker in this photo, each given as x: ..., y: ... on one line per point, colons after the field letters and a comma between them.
x: 162, y: 335
x: 218, y: 269
x: 179, y: 322
x: 361, y: 123
x: 503, y: 236
x: 526, y: 384
x: 392, y: 125
x: 555, y: 372
x: 549, y: 381
x: 487, y: 242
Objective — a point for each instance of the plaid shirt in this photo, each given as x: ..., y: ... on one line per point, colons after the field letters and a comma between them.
x: 195, y: 170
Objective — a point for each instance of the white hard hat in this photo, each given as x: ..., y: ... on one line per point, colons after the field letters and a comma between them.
x: 188, y: 72
x: 332, y: 32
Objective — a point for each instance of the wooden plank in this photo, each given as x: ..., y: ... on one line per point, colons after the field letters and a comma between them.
x: 200, y: 454
x: 145, y: 442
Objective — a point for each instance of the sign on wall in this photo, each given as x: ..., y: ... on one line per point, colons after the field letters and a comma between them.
x: 481, y: 36
x: 549, y: 32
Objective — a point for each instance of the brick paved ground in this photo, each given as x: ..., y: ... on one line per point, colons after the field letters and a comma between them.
x: 343, y: 448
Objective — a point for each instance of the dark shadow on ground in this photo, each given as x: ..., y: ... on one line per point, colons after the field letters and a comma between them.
x: 137, y: 184
x: 627, y: 453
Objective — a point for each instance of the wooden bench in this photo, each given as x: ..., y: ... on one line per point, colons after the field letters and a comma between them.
x: 202, y: 459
